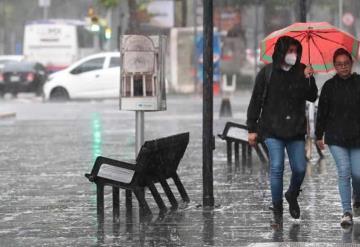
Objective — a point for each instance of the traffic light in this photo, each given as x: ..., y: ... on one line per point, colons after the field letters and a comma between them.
x: 95, y: 26
x: 94, y: 20
x: 107, y: 33
x: 91, y: 12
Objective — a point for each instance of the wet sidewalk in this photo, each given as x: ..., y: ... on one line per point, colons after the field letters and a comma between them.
x: 47, y: 201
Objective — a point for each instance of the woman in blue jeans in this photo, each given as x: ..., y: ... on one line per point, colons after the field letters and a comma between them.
x: 277, y: 112
x: 338, y: 125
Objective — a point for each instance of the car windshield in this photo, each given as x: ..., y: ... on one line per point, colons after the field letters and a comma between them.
x: 19, y: 66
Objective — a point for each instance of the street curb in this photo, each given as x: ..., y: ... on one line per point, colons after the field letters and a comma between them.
x: 7, y: 115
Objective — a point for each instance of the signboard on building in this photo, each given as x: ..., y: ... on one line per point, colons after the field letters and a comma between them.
x: 44, y: 3
x: 348, y: 19
x: 161, y: 13
x: 216, y: 57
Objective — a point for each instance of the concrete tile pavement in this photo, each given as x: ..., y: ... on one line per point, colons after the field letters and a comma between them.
x: 47, y: 201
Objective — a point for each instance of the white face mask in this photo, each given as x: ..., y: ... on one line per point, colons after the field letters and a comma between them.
x: 290, y: 58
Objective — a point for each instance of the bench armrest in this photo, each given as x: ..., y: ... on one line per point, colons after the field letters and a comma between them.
x: 100, y: 160
x: 221, y: 136
x: 116, y: 170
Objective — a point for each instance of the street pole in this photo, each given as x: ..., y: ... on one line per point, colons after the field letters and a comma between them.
x: 139, y: 132
x: 45, y: 13
x: 139, y: 141
x: 340, y: 13
x: 44, y: 4
x: 194, y: 53
x: 109, y: 17
x: 302, y: 10
x: 183, y: 13
x: 208, y: 138
x: 256, y: 36
x: 3, y: 27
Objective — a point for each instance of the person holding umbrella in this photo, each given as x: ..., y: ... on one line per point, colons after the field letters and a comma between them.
x: 339, y: 120
x: 276, y: 113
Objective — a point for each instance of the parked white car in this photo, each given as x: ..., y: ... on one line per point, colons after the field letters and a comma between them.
x: 93, y: 77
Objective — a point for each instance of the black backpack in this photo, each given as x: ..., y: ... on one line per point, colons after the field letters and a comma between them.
x: 268, y: 73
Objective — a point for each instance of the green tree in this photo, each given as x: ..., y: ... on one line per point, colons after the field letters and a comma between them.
x: 133, y: 5
x: 109, y: 3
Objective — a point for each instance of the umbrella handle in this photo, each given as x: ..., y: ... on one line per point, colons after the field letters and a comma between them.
x: 308, y: 41
x: 309, y: 78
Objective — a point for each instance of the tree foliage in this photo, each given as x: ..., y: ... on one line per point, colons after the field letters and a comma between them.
x: 109, y: 3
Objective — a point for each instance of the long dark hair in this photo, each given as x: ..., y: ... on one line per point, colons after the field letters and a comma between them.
x: 282, y: 46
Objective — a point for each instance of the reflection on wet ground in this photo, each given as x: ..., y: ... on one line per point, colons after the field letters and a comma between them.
x: 47, y: 201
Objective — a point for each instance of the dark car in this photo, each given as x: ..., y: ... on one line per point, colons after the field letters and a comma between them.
x: 22, y: 77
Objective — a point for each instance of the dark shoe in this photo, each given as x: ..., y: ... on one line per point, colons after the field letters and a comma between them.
x: 291, y: 198
x: 356, y: 209
x: 346, y: 220
x: 277, y: 219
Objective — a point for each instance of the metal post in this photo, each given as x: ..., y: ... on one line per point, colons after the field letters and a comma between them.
x: 3, y: 27
x: 183, y: 13
x: 139, y: 140
x: 139, y: 131
x: 243, y: 153
x: 249, y: 155
x: 45, y: 13
x: 302, y: 10
x: 100, y: 201
x: 194, y: 53
x: 116, y: 204
x: 341, y: 6
x: 208, y: 234
x: 256, y: 37
x: 45, y: 4
x: 208, y: 138
x: 96, y: 42
x: 237, y: 156
x: 109, y: 16
x: 229, y: 152
x: 100, y: 231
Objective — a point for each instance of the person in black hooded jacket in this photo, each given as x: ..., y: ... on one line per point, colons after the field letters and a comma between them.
x: 278, y: 116
x: 338, y: 120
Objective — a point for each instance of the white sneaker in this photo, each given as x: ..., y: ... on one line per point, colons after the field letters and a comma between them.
x: 346, y: 220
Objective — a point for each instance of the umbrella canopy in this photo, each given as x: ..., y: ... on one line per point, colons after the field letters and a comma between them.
x: 319, y: 41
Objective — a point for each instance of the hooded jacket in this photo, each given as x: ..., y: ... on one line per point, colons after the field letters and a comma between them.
x: 339, y: 112
x: 282, y: 114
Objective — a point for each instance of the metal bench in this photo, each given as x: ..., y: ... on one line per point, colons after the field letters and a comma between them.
x: 157, y: 161
x: 166, y: 154
x: 237, y: 134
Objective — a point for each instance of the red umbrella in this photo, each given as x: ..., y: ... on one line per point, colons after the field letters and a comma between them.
x: 319, y: 41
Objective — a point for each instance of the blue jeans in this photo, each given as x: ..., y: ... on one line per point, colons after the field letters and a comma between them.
x: 296, y: 153
x: 348, y: 166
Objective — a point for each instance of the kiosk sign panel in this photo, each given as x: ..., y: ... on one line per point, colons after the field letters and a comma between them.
x: 142, y: 83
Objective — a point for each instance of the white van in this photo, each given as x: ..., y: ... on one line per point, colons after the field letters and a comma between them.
x: 57, y: 43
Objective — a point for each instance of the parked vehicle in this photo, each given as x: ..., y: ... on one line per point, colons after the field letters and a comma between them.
x: 95, y: 76
x: 22, y: 77
x: 57, y: 43
x: 4, y: 59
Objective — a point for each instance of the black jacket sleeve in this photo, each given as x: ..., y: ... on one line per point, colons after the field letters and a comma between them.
x: 323, y: 111
x: 311, y: 91
x: 254, y: 109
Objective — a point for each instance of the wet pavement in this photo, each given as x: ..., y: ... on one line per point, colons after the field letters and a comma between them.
x: 47, y: 201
